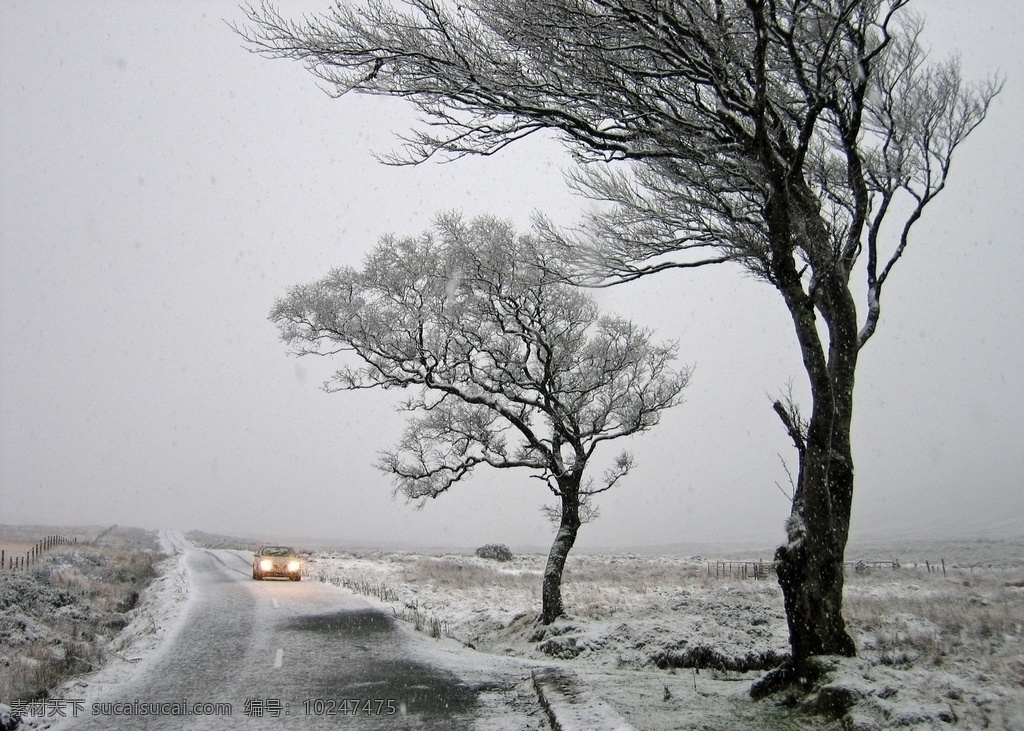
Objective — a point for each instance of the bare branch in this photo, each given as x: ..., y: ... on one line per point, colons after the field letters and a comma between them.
x: 792, y: 483
x: 513, y: 368
x: 789, y: 412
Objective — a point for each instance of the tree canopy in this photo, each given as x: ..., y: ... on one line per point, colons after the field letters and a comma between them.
x: 732, y: 107
x: 513, y: 368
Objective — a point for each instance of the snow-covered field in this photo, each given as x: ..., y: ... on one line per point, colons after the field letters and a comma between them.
x: 671, y: 647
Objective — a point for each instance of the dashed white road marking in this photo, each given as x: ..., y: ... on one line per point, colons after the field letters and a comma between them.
x: 279, y: 657
x: 276, y: 605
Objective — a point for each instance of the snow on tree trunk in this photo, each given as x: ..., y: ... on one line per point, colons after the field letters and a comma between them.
x: 810, y: 565
x: 569, y: 525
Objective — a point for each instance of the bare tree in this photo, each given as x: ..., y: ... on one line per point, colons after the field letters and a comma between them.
x: 801, y: 139
x: 514, y: 368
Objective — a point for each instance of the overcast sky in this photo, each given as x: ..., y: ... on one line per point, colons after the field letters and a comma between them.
x: 160, y: 187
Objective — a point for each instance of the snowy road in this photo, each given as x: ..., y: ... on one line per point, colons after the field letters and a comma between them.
x: 286, y: 655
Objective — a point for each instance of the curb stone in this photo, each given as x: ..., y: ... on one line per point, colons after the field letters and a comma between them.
x: 571, y: 706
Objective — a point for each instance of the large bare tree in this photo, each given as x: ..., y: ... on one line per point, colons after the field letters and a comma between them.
x: 800, y: 139
x: 513, y: 367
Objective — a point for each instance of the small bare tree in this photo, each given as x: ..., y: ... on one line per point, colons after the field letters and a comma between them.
x: 514, y: 368
x: 800, y: 139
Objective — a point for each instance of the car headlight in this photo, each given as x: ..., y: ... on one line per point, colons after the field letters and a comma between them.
x: 294, y: 566
x: 266, y: 564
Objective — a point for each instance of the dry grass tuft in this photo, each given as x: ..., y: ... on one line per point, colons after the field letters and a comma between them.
x: 465, y: 573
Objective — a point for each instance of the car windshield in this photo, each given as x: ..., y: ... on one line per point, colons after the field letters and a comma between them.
x: 277, y: 551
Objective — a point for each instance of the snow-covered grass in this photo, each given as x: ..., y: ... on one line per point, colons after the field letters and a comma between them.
x: 623, y: 610
x: 57, y: 618
x: 671, y: 647
x: 939, y: 648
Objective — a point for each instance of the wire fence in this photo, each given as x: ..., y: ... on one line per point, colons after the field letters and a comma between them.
x: 17, y: 562
x: 758, y: 570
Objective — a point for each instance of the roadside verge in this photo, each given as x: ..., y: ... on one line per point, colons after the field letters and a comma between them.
x: 571, y: 706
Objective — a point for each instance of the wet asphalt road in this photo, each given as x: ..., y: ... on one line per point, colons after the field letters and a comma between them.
x: 298, y: 655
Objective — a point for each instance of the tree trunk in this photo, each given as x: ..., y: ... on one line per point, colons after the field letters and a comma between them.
x: 551, y: 594
x: 810, y: 565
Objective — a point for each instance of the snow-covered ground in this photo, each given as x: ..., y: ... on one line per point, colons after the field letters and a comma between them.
x: 160, y: 611
x: 43, y: 603
x: 78, y: 607
x: 934, y: 650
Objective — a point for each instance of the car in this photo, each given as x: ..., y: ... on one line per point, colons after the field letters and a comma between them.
x: 280, y: 561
